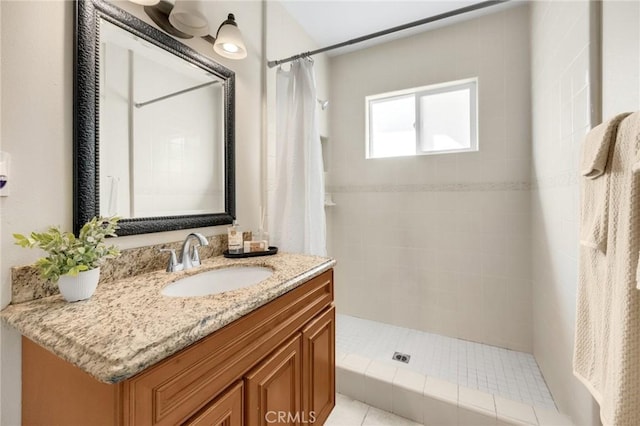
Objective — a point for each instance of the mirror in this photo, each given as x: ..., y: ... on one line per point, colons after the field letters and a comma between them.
x: 154, y: 127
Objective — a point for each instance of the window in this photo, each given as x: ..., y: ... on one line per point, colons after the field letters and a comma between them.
x: 426, y: 120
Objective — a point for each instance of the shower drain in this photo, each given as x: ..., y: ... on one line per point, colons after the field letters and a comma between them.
x: 398, y: 356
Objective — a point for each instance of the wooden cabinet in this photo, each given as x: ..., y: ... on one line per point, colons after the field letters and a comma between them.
x: 225, y: 410
x: 277, y: 363
x: 318, y: 354
x: 274, y: 388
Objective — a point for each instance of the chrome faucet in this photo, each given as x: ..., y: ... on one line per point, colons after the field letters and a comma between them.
x: 189, y: 256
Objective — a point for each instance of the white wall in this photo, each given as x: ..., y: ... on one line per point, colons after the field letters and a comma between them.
x: 439, y: 243
x: 36, y: 107
x: 561, y: 92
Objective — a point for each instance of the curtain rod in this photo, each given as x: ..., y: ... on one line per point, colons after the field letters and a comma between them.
x: 434, y: 18
x: 171, y: 95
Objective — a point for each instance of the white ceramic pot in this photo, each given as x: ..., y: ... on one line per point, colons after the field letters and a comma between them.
x: 80, y: 287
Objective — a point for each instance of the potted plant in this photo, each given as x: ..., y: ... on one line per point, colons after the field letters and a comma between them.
x: 74, y: 262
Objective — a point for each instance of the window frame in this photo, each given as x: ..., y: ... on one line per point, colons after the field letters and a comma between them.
x: 418, y: 93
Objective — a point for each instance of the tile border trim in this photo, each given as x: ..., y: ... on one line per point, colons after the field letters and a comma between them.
x: 443, y: 187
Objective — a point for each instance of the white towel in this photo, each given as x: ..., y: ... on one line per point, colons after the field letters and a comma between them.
x: 597, y: 146
x: 607, y: 341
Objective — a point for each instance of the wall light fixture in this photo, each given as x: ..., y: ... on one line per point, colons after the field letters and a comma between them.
x: 184, y: 19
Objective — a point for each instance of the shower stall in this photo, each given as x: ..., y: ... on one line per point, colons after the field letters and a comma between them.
x: 438, y: 243
x: 435, y: 252
x: 460, y: 269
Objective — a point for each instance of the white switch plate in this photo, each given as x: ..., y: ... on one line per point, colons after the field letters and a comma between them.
x: 5, y: 163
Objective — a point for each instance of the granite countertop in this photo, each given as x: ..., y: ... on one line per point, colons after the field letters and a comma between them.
x: 127, y: 325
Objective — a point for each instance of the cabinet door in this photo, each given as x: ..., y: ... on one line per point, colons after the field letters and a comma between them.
x: 273, y: 394
x: 225, y: 410
x: 318, y: 360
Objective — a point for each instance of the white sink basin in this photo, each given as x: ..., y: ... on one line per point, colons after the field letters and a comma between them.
x: 217, y: 281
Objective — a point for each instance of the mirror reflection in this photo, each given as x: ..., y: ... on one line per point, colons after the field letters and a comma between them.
x: 161, y: 131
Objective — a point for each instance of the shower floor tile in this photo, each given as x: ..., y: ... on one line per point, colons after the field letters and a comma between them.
x: 509, y: 374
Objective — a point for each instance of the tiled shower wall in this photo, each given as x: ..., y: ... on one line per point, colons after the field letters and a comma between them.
x: 439, y: 243
x: 563, y: 38
x: 447, y: 262
x: 620, y: 57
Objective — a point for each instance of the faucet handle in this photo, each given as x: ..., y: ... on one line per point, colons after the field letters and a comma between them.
x: 173, y: 264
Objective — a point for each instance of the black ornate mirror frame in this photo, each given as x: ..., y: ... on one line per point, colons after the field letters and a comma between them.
x: 86, y: 137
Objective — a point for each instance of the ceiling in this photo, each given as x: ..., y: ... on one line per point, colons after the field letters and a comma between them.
x: 333, y: 21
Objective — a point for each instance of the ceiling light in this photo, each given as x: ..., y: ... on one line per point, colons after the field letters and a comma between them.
x: 229, y: 40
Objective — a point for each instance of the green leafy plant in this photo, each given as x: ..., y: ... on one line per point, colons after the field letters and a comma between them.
x: 68, y: 254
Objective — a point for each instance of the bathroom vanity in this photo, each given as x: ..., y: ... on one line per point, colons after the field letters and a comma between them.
x: 255, y: 356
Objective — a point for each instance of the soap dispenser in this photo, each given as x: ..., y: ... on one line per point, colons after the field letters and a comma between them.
x: 234, y: 234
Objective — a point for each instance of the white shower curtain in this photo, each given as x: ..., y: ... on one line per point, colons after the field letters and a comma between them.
x: 296, y: 215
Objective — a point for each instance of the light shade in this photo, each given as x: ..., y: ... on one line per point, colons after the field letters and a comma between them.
x: 229, y: 42
x: 145, y: 2
x: 187, y: 17
x: 159, y: 14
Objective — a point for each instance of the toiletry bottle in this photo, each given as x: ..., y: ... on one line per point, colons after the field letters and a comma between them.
x: 234, y: 234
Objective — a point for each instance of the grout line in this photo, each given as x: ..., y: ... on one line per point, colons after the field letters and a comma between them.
x: 366, y: 413
x: 495, y: 406
x: 535, y: 413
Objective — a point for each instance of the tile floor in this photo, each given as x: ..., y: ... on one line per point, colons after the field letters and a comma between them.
x: 349, y: 412
x: 505, y: 373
